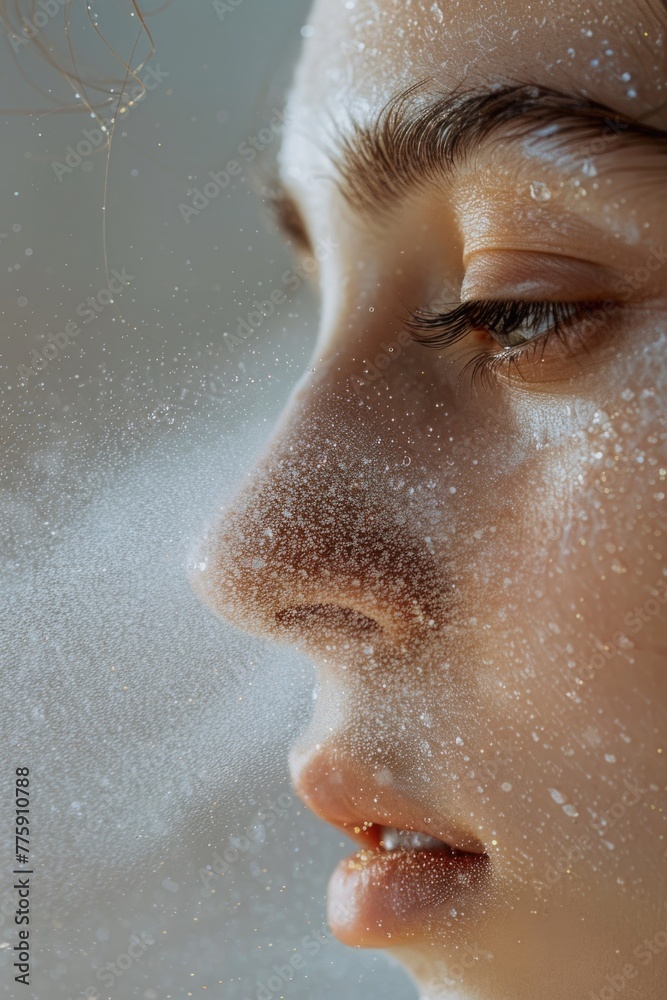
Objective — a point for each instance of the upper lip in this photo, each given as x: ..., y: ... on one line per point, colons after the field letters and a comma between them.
x: 348, y: 796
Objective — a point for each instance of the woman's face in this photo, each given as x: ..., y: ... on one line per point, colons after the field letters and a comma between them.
x: 470, y: 542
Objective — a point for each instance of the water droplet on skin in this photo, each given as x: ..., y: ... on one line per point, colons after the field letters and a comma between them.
x: 557, y: 796
x: 626, y: 77
x: 618, y: 567
x: 539, y: 191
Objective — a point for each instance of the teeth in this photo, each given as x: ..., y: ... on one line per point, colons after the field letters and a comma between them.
x: 409, y: 840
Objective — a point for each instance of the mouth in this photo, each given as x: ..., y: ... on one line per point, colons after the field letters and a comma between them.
x: 393, y: 839
x: 401, y: 884
x: 414, y: 871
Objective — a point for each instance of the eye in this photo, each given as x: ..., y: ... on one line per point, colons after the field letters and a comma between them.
x: 518, y: 333
x: 509, y: 323
x: 519, y: 323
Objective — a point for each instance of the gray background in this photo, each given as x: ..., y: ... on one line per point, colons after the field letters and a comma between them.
x: 153, y: 732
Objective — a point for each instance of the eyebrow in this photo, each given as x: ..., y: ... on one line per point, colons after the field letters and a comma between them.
x: 420, y: 138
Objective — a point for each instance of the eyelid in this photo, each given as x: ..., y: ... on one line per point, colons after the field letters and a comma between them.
x: 530, y: 275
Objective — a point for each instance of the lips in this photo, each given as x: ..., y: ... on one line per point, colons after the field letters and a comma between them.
x: 412, y: 871
x: 381, y: 898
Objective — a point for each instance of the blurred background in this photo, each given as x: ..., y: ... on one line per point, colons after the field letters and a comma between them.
x: 155, y: 735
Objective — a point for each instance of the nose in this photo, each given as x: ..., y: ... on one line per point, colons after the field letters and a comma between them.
x: 327, y: 546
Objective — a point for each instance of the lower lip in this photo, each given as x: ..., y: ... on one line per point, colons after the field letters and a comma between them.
x: 377, y: 898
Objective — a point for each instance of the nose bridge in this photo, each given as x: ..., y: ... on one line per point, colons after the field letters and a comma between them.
x: 320, y: 544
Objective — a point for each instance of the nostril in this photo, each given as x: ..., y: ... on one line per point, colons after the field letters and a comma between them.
x: 321, y: 617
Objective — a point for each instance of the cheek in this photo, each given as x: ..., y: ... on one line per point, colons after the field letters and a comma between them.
x: 562, y: 627
x: 600, y: 536
x: 580, y: 515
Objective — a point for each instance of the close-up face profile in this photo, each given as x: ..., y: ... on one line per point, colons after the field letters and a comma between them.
x: 459, y: 516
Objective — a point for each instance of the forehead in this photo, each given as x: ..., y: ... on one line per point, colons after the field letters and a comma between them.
x: 359, y: 53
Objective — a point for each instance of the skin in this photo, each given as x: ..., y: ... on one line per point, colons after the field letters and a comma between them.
x: 457, y: 553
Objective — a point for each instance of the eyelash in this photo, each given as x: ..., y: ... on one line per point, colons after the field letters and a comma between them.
x: 440, y: 330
